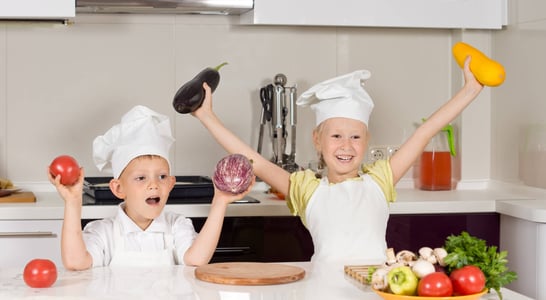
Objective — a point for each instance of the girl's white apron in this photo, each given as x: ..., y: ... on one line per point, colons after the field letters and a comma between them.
x: 348, y: 221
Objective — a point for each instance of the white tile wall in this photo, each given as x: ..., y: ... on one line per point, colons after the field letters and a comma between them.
x: 63, y: 86
x: 521, y: 100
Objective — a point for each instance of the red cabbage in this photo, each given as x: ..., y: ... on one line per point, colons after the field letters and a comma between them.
x: 233, y: 174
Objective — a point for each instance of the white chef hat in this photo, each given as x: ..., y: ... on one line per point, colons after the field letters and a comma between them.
x: 142, y: 131
x: 342, y: 96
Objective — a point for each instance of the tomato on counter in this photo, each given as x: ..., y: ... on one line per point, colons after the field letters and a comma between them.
x: 40, y: 273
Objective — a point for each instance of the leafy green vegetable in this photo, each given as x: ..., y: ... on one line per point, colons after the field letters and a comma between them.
x: 464, y: 249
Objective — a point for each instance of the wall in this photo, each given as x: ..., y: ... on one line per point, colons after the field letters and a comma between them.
x: 61, y: 86
x: 520, y: 102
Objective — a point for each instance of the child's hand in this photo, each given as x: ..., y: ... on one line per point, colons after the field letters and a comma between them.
x: 227, y: 197
x: 206, y: 106
x: 469, y: 77
x: 70, y: 193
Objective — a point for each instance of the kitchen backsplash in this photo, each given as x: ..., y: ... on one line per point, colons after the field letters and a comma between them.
x: 61, y: 86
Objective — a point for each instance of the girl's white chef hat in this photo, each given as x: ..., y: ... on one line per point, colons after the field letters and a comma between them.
x: 342, y: 96
x: 141, y: 131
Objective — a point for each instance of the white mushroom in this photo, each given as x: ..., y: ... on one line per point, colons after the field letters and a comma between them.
x: 440, y: 254
x: 427, y: 253
x: 391, y: 258
x: 379, y: 279
x: 406, y: 257
x: 422, y: 267
x: 395, y: 265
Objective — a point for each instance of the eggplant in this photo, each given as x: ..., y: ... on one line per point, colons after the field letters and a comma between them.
x: 190, y: 96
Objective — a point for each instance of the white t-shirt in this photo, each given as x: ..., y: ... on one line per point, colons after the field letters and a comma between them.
x: 99, y: 235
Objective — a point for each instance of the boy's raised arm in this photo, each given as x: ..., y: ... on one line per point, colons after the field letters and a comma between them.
x: 73, y: 251
x: 202, y: 249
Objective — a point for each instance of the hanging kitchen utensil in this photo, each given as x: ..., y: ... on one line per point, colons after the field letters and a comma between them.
x: 266, y: 98
x: 278, y: 124
x: 293, y: 121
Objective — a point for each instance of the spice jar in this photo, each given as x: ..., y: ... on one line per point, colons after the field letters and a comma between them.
x: 436, y: 162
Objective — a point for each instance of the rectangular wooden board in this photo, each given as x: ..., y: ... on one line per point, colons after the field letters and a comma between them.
x: 19, y: 197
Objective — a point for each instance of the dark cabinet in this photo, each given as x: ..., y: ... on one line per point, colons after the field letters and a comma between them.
x: 282, y: 239
x: 413, y: 231
x: 278, y: 239
x: 261, y: 239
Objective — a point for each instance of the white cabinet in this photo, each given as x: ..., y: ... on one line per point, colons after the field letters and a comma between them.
x: 478, y: 14
x: 37, y: 9
x: 24, y: 240
x: 525, y: 242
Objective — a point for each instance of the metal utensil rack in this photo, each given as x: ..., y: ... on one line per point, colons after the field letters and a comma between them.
x: 280, y: 111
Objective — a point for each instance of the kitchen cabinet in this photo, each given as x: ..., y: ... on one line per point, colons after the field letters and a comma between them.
x: 476, y: 14
x: 413, y: 231
x: 525, y: 242
x: 261, y: 239
x: 37, y: 9
x: 278, y: 239
x: 24, y: 240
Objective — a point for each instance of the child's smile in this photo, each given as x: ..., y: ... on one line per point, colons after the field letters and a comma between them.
x: 344, y: 158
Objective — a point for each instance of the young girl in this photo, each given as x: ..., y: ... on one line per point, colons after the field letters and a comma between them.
x: 346, y: 211
x: 141, y: 233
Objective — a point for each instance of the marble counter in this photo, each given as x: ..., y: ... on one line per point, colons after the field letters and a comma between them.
x: 320, y: 282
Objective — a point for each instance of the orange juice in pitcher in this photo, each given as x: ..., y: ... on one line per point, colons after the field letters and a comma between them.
x: 436, y: 160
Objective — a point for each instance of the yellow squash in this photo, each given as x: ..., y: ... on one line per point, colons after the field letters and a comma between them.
x: 487, y: 71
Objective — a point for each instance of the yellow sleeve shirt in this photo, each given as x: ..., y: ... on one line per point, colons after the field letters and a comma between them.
x: 304, y: 183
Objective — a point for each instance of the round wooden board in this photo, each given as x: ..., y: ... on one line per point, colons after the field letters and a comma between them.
x: 249, y: 273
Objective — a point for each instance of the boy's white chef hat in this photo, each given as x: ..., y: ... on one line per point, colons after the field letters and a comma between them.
x: 141, y: 131
x: 342, y: 96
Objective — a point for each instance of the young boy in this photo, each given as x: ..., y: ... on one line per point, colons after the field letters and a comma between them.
x: 141, y: 233
x: 346, y: 210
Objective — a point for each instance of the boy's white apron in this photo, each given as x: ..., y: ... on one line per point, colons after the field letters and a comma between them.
x: 330, y: 218
x: 123, y: 257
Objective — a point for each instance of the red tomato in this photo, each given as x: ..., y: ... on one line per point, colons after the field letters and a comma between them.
x: 40, y: 273
x: 67, y: 167
x: 467, y: 280
x: 436, y: 284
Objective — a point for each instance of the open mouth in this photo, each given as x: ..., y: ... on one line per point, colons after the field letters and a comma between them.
x: 152, y: 200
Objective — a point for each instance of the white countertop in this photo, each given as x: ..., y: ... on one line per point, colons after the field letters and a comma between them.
x: 514, y: 200
x: 178, y: 282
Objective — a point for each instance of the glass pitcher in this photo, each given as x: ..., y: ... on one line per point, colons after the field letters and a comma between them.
x: 436, y: 162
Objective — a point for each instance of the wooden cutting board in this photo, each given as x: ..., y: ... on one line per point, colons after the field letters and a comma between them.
x: 19, y: 197
x: 249, y: 273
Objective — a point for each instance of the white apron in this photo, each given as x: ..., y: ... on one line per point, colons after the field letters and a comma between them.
x: 348, y: 221
x: 123, y: 257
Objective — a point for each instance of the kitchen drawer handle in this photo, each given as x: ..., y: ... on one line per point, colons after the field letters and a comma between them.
x: 27, y: 234
x: 232, y: 250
